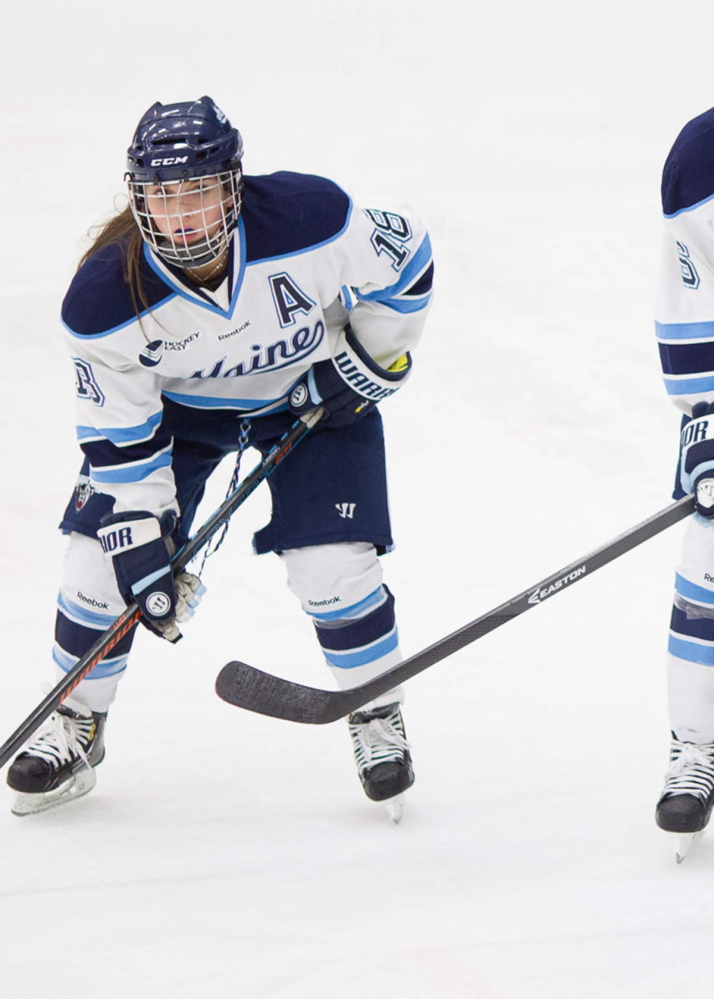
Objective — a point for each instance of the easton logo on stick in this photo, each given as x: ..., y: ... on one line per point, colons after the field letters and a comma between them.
x: 539, y: 595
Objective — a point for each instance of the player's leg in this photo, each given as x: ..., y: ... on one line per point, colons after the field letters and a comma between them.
x: 330, y: 521
x: 340, y: 588
x: 59, y: 763
x: 686, y: 801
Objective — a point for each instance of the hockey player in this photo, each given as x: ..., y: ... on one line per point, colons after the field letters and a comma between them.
x: 685, y: 330
x: 205, y: 317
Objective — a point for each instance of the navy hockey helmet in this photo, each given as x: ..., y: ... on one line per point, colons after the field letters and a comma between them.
x: 185, y: 181
x: 177, y: 141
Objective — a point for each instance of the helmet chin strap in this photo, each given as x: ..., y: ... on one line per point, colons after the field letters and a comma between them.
x: 205, y: 279
x: 198, y: 255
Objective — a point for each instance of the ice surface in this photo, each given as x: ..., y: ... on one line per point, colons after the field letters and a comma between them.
x: 223, y: 854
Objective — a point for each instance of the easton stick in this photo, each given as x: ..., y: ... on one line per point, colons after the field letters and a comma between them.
x: 116, y: 631
x: 251, y: 688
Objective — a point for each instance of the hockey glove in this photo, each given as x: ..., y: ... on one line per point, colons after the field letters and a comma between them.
x: 348, y: 385
x: 140, y: 547
x: 697, y: 461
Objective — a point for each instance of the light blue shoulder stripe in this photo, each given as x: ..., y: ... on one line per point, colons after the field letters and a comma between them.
x: 406, y: 305
x: 419, y: 262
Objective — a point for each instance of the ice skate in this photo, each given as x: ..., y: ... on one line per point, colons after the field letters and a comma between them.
x: 382, y: 755
x: 686, y: 802
x: 59, y: 765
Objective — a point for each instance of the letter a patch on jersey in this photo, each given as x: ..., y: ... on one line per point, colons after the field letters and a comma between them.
x: 87, y: 387
x: 289, y: 299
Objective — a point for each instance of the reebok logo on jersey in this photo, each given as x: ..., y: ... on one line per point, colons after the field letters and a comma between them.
x: 325, y: 603
x: 238, y: 329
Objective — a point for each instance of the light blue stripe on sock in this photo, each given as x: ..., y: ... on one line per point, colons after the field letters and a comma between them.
x: 693, y: 592
x: 692, y: 652
x: 361, y: 657
x: 107, y: 667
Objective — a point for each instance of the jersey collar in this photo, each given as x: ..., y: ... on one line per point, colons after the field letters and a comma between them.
x: 223, y: 299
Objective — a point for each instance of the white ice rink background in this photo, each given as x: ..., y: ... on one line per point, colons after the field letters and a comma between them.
x: 224, y: 854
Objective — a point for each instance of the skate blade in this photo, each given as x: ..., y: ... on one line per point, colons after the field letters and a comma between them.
x: 394, y: 808
x: 685, y: 843
x: 79, y: 784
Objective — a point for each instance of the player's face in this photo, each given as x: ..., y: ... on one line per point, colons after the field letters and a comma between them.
x: 188, y: 211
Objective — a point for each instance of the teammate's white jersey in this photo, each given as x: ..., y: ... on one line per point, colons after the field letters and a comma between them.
x: 685, y: 306
x: 304, y: 261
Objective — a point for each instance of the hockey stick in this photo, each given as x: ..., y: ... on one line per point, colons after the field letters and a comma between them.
x: 255, y: 690
x: 116, y: 631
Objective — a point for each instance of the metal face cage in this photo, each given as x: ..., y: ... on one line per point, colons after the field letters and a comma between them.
x: 188, y: 223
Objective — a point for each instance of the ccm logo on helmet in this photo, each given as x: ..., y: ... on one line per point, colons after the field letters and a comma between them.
x: 170, y: 161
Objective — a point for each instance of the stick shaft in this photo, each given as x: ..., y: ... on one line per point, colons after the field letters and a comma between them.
x: 243, y: 685
x: 128, y: 619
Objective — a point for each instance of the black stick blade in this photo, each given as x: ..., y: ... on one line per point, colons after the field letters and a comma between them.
x: 252, y: 689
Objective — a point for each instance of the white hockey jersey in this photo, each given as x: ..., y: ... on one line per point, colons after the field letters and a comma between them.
x: 685, y: 307
x: 304, y: 260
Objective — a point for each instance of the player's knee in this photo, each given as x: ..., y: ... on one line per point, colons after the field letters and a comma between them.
x: 88, y: 579
x: 336, y: 581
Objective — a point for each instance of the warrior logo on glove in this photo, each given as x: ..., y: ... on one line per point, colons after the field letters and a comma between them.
x: 140, y: 546
x: 158, y: 604
x: 299, y: 396
x: 349, y: 384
